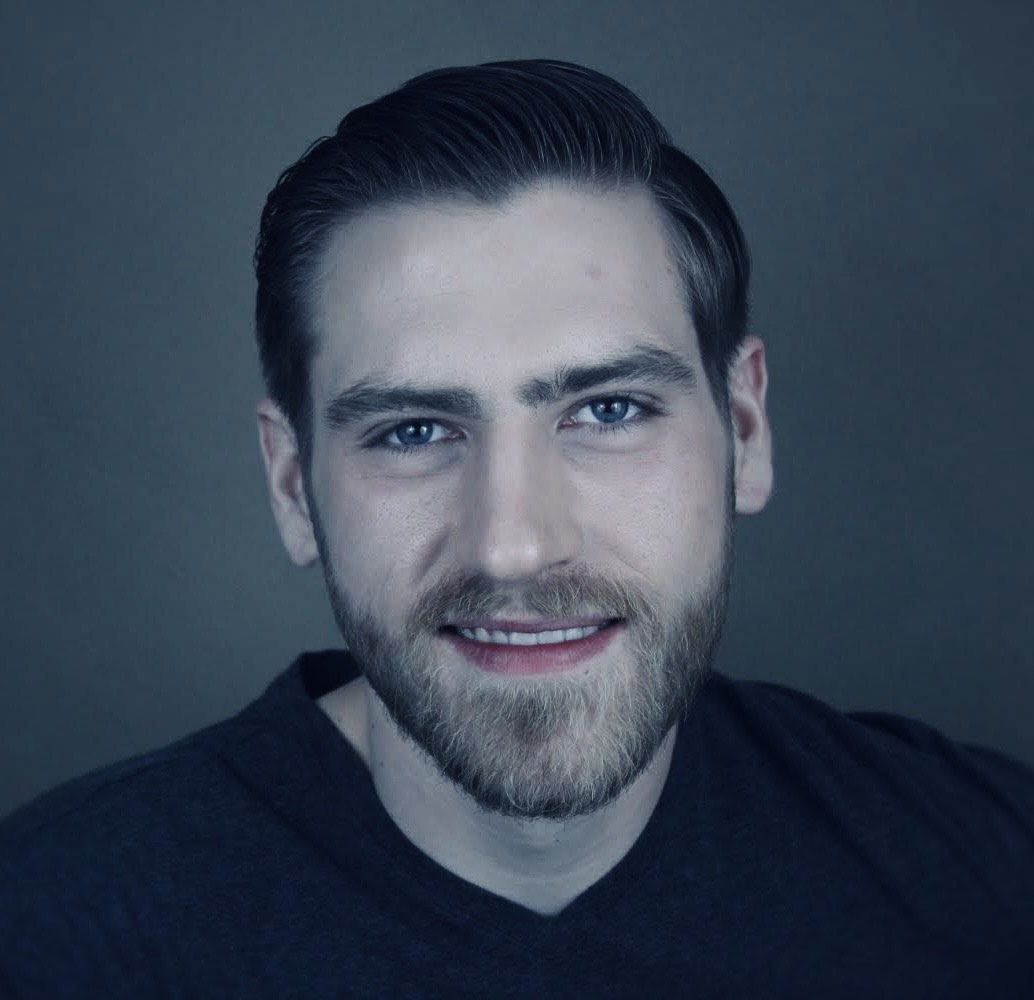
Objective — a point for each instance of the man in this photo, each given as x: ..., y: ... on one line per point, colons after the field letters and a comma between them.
x: 513, y: 410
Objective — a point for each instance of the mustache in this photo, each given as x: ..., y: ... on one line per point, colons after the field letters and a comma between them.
x: 562, y: 594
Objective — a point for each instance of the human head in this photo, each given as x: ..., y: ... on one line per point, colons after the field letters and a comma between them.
x: 481, y: 315
x: 481, y: 133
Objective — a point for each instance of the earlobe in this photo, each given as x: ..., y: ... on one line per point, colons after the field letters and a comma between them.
x: 284, y: 476
x: 752, y: 439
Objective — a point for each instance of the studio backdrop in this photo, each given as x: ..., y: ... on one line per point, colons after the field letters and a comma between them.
x: 879, y: 157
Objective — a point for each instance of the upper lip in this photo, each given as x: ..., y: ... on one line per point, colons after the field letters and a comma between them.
x: 530, y: 625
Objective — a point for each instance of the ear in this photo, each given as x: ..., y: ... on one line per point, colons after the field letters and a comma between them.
x: 286, y: 485
x: 752, y: 439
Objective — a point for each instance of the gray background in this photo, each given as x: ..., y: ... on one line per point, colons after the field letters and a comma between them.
x: 879, y: 156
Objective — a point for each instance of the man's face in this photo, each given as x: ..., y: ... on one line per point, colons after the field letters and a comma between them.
x: 521, y: 490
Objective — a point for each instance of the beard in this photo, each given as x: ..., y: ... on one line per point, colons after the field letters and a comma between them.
x: 541, y: 747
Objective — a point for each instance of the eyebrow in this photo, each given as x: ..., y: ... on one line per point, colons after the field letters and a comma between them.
x: 371, y: 396
x: 642, y: 364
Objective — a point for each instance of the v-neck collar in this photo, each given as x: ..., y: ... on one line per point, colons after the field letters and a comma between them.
x: 292, y: 755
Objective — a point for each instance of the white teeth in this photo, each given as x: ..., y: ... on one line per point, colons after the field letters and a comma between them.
x: 521, y: 638
x: 527, y: 638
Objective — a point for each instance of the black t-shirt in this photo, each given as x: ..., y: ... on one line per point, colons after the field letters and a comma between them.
x: 795, y: 852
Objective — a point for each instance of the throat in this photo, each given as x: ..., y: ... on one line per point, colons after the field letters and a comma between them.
x: 347, y: 707
x: 539, y: 864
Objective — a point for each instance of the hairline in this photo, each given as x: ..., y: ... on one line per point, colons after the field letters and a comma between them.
x: 313, y: 277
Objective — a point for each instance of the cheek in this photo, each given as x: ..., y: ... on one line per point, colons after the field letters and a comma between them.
x: 666, y: 516
x: 703, y: 489
x: 381, y: 537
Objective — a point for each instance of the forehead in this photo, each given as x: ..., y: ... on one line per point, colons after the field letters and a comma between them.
x: 553, y: 275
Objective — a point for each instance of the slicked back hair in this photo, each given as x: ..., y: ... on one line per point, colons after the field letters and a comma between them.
x: 482, y: 133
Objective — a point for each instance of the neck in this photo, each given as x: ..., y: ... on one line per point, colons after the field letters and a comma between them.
x: 540, y: 864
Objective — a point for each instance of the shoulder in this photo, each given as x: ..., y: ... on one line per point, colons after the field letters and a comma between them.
x: 898, y: 789
x: 186, y: 804
x: 192, y: 783
x: 108, y: 879
x: 803, y: 731
x: 807, y: 726
x: 102, y: 828
x: 81, y: 865
x: 144, y: 784
x: 125, y: 879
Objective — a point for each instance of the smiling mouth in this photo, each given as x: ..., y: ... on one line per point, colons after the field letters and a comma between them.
x: 543, y: 638
x: 529, y: 634
x: 515, y: 647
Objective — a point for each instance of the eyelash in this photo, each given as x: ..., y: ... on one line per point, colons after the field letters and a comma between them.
x: 645, y: 411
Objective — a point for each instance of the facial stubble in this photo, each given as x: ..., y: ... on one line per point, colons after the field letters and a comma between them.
x: 553, y: 746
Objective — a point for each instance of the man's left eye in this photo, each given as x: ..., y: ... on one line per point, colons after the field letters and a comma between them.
x: 607, y: 411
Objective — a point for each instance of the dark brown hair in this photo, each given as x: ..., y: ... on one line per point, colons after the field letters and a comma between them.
x: 482, y: 133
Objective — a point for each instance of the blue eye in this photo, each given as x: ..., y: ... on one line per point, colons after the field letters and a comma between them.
x: 610, y: 411
x: 414, y: 432
x: 413, y: 435
x: 610, y: 414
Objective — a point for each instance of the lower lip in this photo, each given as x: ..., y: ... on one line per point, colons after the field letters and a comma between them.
x: 499, y: 658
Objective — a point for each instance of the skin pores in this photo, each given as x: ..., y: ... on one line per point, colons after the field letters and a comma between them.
x: 513, y: 434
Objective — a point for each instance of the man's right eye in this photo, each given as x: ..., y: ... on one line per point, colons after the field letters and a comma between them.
x: 413, y: 434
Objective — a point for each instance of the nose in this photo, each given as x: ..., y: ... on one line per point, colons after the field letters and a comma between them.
x: 520, y: 511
